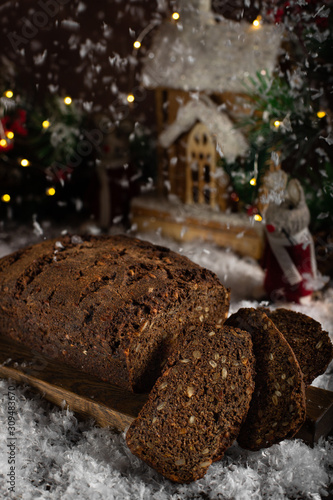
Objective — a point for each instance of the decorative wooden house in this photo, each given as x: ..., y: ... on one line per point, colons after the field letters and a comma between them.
x: 197, y: 68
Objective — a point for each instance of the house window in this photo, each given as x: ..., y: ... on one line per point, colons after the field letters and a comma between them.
x: 200, y: 167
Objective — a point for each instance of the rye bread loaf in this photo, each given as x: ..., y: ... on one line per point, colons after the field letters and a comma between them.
x: 110, y: 306
x: 310, y: 343
x: 277, y: 408
x: 195, y: 410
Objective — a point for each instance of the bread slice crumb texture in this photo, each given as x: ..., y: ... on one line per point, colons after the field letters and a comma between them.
x: 197, y: 406
x: 277, y: 409
x: 311, y: 344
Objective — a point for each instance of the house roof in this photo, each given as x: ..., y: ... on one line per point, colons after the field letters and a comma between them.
x: 210, y: 57
x: 230, y: 143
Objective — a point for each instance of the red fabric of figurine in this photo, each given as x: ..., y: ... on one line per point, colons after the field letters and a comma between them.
x: 290, y: 264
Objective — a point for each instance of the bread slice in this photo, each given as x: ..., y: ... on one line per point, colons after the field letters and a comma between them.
x: 310, y: 343
x: 277, y: 409
x: 196, y: 408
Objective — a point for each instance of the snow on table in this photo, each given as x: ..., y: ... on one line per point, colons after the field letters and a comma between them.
x: 58, y: 456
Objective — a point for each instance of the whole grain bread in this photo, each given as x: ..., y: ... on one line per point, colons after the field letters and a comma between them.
x: 112, y: 306
x: 310, y: 343
x: 196, y: 408
x: 277, y: 408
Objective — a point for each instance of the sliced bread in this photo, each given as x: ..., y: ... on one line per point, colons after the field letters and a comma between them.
x: 196, y: 408
x: 277, y: 408
x: 310, y: 343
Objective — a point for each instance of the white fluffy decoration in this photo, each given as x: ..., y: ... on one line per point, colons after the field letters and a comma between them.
x: 62, y: 458
x: 229, y: 140
x: 214, y: 58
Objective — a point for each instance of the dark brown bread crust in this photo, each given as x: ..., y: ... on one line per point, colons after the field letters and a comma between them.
x: 111, y: 306
x: 277, y: 409
x: 196, y: 408
x: 310, y: 343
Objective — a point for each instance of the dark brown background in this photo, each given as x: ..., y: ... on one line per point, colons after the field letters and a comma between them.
x: 112, y: 24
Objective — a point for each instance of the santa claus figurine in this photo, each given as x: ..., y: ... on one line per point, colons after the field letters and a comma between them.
x: 291, y: 270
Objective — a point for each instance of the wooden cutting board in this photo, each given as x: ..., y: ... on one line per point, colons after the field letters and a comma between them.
x: 112, y: 406
x: 86, y: 395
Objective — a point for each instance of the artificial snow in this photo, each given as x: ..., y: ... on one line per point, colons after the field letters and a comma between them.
x: 58, y: 456
x: 180, y: 211
x: 70, y: 25
x: 40, y: 58
x: 228, y: 139
x: 214, y: 57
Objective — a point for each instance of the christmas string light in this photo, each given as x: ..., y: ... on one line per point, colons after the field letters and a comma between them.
x: 50, y: 191
x: 5, y: 198
x: 257, y: 217
x: 13, y: 125
x: 68, y: 100
x: 9, y: 94
x: 321, y: 114
x: 175, y: 16
x: 3, y: 141
x: 137, y: 45
x: 138, y: 42
x: 253, y: 181
x: 257, y: 22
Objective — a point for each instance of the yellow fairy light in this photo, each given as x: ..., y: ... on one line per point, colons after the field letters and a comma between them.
x: 10, y: 134
x: 3, y: 143
x: 257, y: 22
x: 5, y: 198
x: 253, y: 181
x: 50, y: 191
x: 25, y: 162
x: 175, y: 16
x: 321, y: 114
x: 68, y: 100
x: 137, y: 44
x: 257, y: 217
x: 9, y: 94
x: 277, y: 123
x: 130, y: 98
x: 46, y: 124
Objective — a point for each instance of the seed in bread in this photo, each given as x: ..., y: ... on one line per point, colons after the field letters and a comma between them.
x: 310, y: 343
x: 277, y: 409
x: 195, y: 410
x: 110, y: 306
